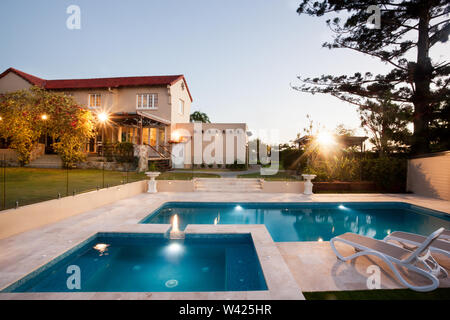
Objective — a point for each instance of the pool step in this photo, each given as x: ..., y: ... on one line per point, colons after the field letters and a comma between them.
x: 227, y: 185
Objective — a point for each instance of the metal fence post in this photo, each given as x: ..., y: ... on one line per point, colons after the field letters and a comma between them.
x: 4, y: 181
x: 103, y: 174
x: 67, y: 180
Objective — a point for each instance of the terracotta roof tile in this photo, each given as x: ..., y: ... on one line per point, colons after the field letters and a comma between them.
x: 99, y: 82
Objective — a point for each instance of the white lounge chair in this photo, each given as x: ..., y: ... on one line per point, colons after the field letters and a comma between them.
x: 411, y: 241
x: 445, y: 235
x: 392, y: 254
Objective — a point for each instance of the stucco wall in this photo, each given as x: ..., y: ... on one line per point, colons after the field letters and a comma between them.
x: 268, y: 186
x: 25, y: 218
x: 175, y: 186
x: 176, y: 93
x: 430, y: 176
x: 210, y: 132
x: 283, y: 186
x: 12, y: 82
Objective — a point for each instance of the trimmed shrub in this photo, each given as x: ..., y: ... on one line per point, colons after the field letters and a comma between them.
x: 124, y: 152
x: 389, y: 174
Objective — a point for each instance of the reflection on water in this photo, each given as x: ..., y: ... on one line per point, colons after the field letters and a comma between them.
x: 298, y: 222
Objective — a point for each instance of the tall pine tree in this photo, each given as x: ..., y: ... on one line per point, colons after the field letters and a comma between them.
x: 407, y: 28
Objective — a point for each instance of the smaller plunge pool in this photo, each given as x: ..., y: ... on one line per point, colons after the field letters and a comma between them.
x: 122, y: 262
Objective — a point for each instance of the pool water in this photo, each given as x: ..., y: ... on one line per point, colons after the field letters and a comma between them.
x: 308, y: 221
x: 151, y: 263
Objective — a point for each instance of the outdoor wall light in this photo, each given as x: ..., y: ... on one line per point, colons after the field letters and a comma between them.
x: 103, y: 117
x: 176, y: 136
x: 44, y: 117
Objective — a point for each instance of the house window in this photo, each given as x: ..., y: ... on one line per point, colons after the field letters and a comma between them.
x: 147, y: 101
x: 95, y: 100
x: 181, y: 107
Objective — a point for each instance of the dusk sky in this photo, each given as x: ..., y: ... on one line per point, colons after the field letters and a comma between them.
x: 239, y: 57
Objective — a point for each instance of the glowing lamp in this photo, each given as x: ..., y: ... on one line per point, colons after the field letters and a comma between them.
x: 176, y: 136
x: 103, y: 116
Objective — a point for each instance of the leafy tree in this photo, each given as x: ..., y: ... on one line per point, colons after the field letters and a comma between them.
x: 199, y: 117
x: 388, y: 124
x: 342, y: 130
x: 65, y: 121
x: 20, y: 123
x: 407, y: 27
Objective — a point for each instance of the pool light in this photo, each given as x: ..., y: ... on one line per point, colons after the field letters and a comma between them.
x: 101, y: 248
x: 342, y: 207
x: 174, y: 248
x: 238, y: 207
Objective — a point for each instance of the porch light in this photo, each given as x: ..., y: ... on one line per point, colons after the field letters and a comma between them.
x: 176, y: 136
x: 103, y: 117
x: 44, y: 117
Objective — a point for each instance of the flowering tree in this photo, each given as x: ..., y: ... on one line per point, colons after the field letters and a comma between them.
x: 27, y: 114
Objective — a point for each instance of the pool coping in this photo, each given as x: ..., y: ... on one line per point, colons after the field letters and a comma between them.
x: 280, y: 282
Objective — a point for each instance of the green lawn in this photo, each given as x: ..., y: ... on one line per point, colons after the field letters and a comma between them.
x: 396, y: 294
x: 31, y: 185
x: 283, y: 176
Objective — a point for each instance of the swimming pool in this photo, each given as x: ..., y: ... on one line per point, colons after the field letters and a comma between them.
x: 308, y: 221
x: 121, y: 262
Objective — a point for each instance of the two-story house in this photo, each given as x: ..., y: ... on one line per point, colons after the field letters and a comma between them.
x: 141, y: 110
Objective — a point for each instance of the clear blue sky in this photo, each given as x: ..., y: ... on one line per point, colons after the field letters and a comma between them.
x: 239, y: 56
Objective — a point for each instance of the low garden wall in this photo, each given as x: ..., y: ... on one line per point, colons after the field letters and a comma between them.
x: 429, y: 175
x: 175, y: 186
x: 267, y: 186
x: 338, y: 187
x: 14, y: 221
x: 283, y: 186
x: 10, y: 155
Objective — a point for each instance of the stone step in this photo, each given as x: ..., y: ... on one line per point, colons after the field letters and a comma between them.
x: 227, y: 185
x: 46, y: 161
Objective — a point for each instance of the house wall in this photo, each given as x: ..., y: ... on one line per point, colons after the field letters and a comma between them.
x: 430, y: 175
x: 12, y: 82
x: 210, y: 130
x: 124, y: 100
x: 177, y: 92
